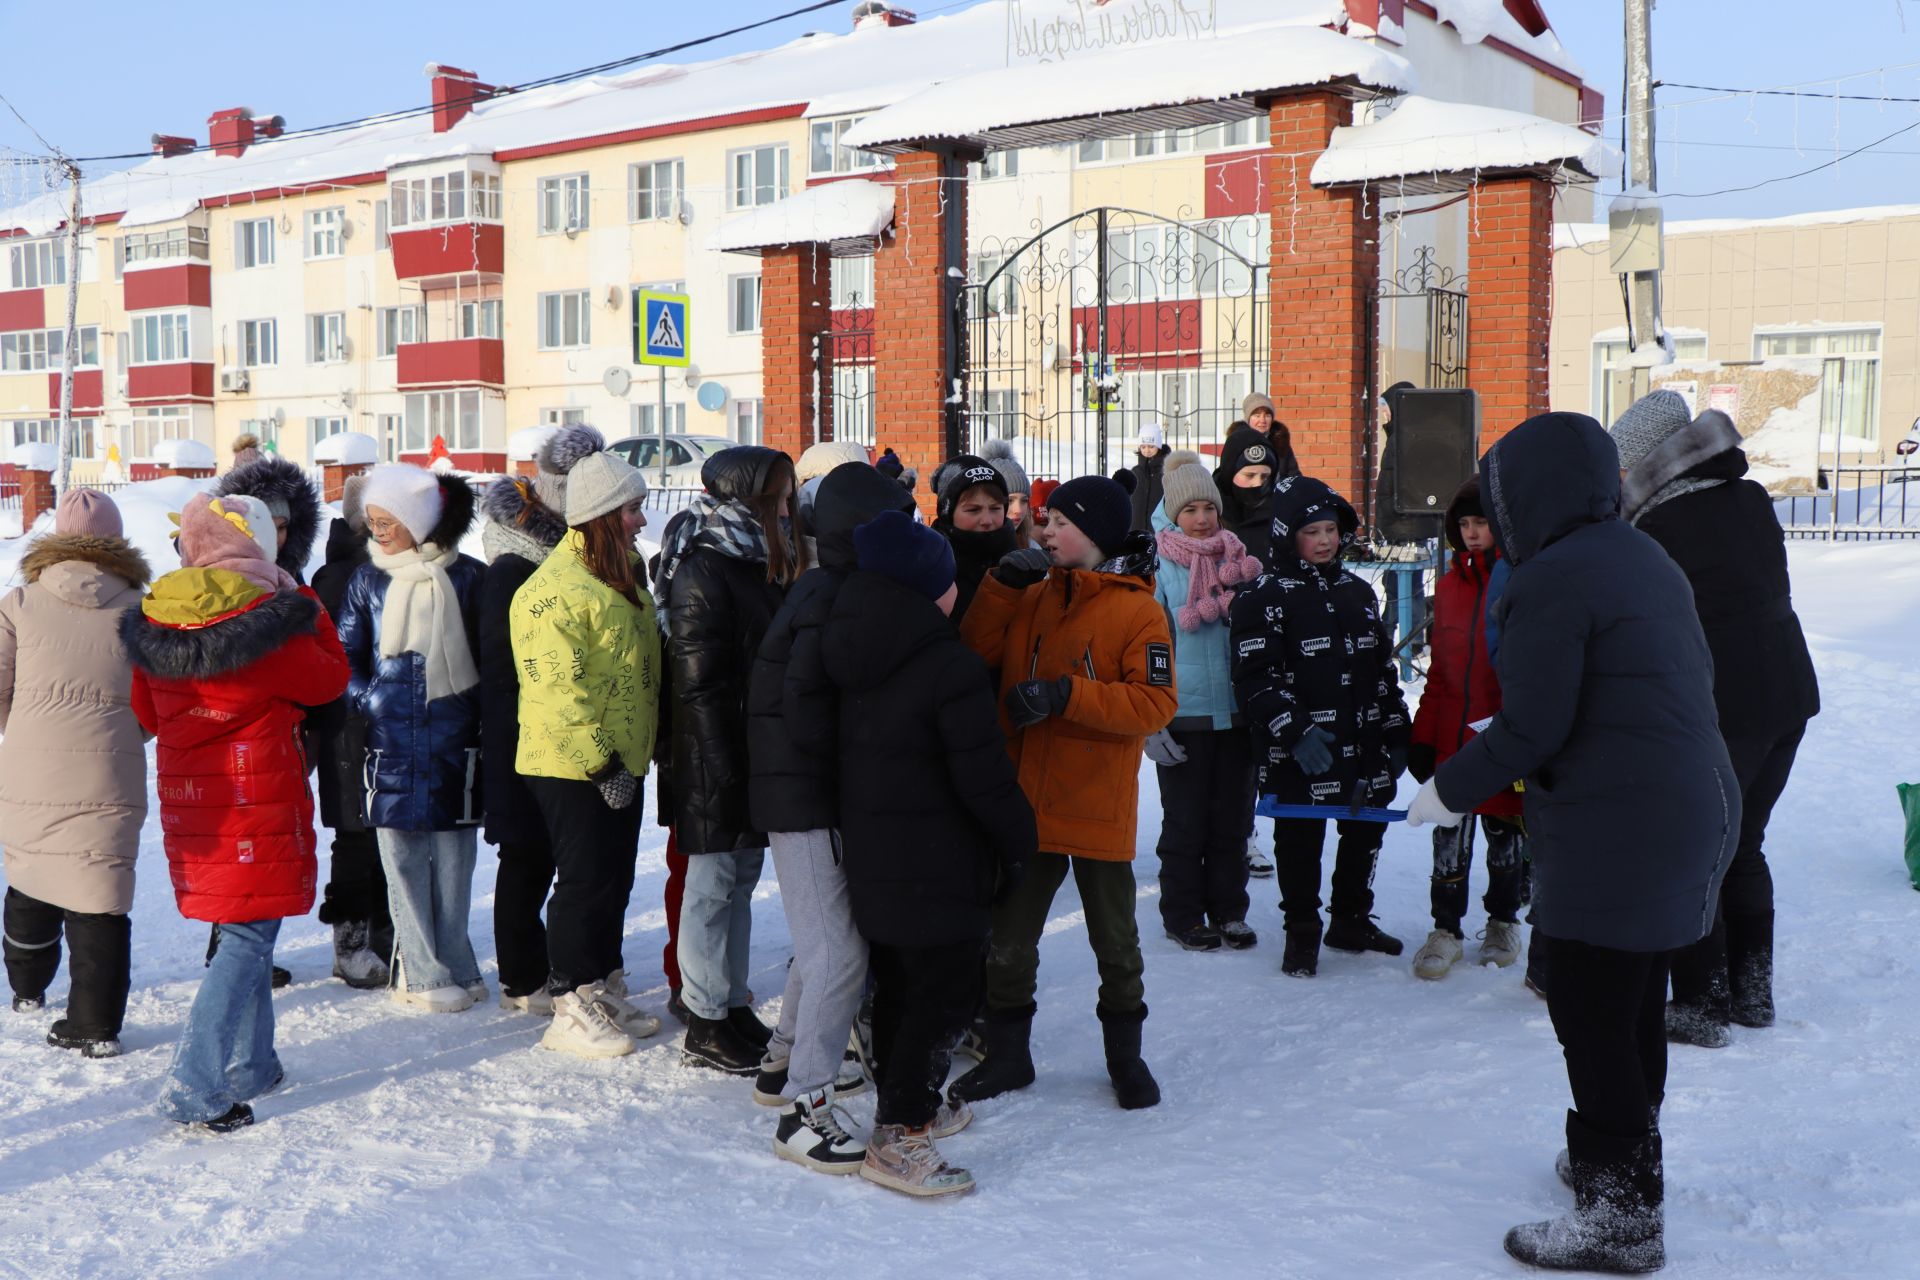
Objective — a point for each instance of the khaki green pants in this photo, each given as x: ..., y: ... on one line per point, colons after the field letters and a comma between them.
x: 1106, y: 894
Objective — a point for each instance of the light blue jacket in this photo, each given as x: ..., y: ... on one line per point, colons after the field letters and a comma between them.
x: 1203, y: 659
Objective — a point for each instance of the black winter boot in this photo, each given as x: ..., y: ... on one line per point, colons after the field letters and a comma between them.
x: 751, y: 1029
x: 1133, y: 1084
x: 1750, y: 969
x: 1699, y: 1012
x: 100, y: 950
x: 1302, y: 956
x: 1009, y: 1061
x: 715, y: 1044
x: 1359, y: 933
x: 1616, y: 1224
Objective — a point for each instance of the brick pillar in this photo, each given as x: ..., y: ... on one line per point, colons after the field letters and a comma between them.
x: 333, y: 478
x: 36, y: 495
x: 190, y: 473
x: 916, y: 336
x: 1509, y: 297
x: 524, y: 468
x: 1326, y: 266
x: 796, y: 301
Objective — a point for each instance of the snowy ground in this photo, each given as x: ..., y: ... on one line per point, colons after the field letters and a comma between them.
x: 1361, y: 1124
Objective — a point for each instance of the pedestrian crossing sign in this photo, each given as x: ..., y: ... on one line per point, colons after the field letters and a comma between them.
x: 660, y: 328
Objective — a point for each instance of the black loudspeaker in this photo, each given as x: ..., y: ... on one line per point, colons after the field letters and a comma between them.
x: 1436, y: 448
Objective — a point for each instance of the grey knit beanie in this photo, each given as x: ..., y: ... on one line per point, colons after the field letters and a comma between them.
x: 1647, y: 424
x: 1000, y: 456
x: 556, y: 458
x: 599, y: 483
x: 1186, y: 479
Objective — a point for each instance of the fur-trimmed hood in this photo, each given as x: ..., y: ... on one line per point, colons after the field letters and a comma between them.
x: 228, y: 644
x: 512, y: 506
x: 1678, y: 464
x: 457, y: 506
x: 277, y: 480
x: 115, y: 555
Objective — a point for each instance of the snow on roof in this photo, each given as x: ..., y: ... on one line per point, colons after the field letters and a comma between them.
x: 1425, y: 136
x: 1591, y: 237
x: 1475, y: 20
x: 525, y: 444
x: 183, y: 454
x: 348, y: 449
x: 844, y: 213
x: 996, y: 104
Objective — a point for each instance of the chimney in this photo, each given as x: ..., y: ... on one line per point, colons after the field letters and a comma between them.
x: 454, y: 93
x: 230, y: 132
x: 169, y: 144
x: 271, y: 127
x: 878, y: 13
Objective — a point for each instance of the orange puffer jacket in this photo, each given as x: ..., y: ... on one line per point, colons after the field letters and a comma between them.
x: 1081, y: 770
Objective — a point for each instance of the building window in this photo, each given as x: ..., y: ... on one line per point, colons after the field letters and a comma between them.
x: 653, y: 190
x: 167, y: 422
x: 160, y: 337
x: 259, y: 343
x: 1167, y: 261
x: 486, y: 195
x: 565, y: 320
x: 45, y: 350
x: 1257, y: 131
x: 253, y: 243
x: 853, y: 403
x: 852, y: 282
x: 1001, y: 297
x: 461, y: 196
x: 827, y: 153
x: 998, y: 417
x: 646, y: 422
x: 453, y: 416
x: 387, y: 428
x: 326, y: 232
x: 563, y: 417
x: 756, y: 177
x: 47, y: 431
x: 319, y: 429
x: 37, y: 264
x: 327, y: 338
x: 998, y: 164
x: 480, y: 319
x: 160, y: 246
x: 743, y: 304
x: 749, y: 420
x: 1850, y: 375
x: 1611, y: 356
x: 563, y: 203
x: 382, y: 233
x: 266, y: 429
x: 395, y: 325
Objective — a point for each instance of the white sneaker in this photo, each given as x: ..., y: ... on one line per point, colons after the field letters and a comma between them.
x: 448, y: 999
x: 950, y: 1119
x: 1500, y: 944
x: 813, y: 1132
x: 851, y: 1080
x: 1437, y: 956
x: 1259, y: 865
x: 612, y: 996
x: 581, y: 1026
x: 539, y: 1004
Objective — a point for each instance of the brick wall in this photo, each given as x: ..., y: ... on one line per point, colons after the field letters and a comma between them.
x: 796, y: 297
x: 1326, y: 263
x: 1510, y: 270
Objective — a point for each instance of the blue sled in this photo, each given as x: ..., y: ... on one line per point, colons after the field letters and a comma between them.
x: 1269, y: 807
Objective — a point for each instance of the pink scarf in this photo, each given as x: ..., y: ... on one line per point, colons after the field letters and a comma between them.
x: 1212, y: 565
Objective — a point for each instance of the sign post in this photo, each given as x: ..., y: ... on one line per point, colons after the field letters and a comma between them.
x: 660, y: 339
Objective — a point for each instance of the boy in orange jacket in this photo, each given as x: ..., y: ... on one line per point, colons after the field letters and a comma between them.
x: 1084, y: 663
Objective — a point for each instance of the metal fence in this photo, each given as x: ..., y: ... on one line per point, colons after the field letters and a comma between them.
x: 1858, y: 502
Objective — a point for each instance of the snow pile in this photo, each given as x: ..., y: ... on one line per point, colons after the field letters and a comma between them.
x: 348, y: 449
x: 1427, y: 136
x: 525, y: 444
x: 35, y: 455
x: 183, y: 454
x: 1474, y: 20
x: 857, y: 209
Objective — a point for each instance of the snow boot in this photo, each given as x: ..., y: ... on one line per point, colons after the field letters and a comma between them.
x: 1009, y: 1061
x: 538, y: 1003
x: 1536, y: 979
x: 907, y: 1161
x: 583, y: 1027
x: 1259, y: 864
x: 1358, y: 934
x: 678, y: 1007
x: 812, y: 1132
x: 1238, y: 935
x: 1500, y: 945
x: 626, y: 1015
x: 63, y: 1034
x: 447, y: 999
x: 237, y: 1116
x: 1437, y: 955
x: 354, y: 960
x: 1199, y: 937
x: 1750, y: 968
x: 1302, y: 956
x: 1701, y: 1003
x: 750, y: 1028
x: 713, y: 1043
x: 1616, y: 1225
x: 1133, y: 1085
x: 29, y: 1004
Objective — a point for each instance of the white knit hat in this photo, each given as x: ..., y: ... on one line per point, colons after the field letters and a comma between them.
x: 408, y: 493
x: 1152, y: 434
x: 599, y: 483
x: 821, y: 458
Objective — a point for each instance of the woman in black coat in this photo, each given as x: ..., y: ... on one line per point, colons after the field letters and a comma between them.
x: 1631, y: 805
x: 723, y: 574
x: 1685, y: 487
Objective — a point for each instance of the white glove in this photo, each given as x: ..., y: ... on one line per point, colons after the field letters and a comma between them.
x: 1163, y: 750
x: 1427, y: 808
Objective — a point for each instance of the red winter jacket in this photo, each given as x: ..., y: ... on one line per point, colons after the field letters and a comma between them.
x: 1461, y: 687
x: 226, y: 697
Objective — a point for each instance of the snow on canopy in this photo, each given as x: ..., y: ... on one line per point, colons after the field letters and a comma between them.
x: 1424, y: 136
x: 183, y: 455
x: 842, y: 213
x: 347, y: 449
x: 1139, y: 78
x: 525, y: 444
x: 36, y: 455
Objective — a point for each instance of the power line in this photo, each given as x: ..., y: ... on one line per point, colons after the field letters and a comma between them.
x: 1789, y: 177
x: 1784, y: 93
x: 56, y: 152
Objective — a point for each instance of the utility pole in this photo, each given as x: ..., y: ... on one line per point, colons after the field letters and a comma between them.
x: 1634, y: 220
x: 71, y: 355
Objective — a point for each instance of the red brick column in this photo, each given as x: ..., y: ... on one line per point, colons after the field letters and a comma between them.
x: 796, y: 299
x: 915, y: 330
x: 36, y: 495
x: 1326, y: 266
x: 333, y: 477
x: 1509, y: 300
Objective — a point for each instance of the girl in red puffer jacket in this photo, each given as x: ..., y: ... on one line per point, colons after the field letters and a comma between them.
x: 1462, y: 695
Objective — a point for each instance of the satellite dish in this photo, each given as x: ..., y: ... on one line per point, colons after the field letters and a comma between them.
x: 613, y: 298
x: 692, y: 373
x: 712, y: 397
x: 616, y: 380
x: 279, y: 417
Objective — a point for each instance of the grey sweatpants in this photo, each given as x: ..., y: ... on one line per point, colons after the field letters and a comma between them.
x: 829, y: 959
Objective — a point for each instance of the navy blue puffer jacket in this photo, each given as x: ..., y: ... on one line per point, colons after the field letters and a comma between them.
x: 423, y: 758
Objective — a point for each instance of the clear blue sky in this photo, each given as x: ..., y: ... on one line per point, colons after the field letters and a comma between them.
x: 142, y: 70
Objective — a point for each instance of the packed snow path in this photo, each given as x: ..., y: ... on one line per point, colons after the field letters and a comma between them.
x: 1360, y: 1124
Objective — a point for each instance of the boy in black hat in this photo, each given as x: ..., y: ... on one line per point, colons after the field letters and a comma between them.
x: 972, y: 516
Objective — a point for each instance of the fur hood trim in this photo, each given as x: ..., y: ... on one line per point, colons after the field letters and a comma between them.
x: 511, y: 503
x: 236, y: 641
x: 456, y: 511
x: 272, y: 478
x: 115, y: 555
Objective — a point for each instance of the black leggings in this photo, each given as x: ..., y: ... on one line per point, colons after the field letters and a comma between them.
x: 594, y: 848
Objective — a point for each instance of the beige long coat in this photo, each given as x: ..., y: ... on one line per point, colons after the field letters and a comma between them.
x: 73, y: 764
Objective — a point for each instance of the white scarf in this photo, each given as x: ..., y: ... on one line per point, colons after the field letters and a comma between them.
x: 422, y: 616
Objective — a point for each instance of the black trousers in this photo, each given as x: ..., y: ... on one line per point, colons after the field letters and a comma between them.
x: 594, y: 848
x: 1453, y: 860
x: 1296, y: 856
x: 1609, y: 1011
x: 357, y: 886
x: 1205, y: 805
x: 519, y: 932
x: 102, y: 947
x: 923, y: 997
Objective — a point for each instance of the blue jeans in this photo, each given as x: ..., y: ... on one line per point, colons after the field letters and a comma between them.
x: 225, y: 1054
x: 716, y: 930
x: 429, y: 894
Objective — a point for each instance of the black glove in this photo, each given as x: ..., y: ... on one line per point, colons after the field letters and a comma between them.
x: 617, y: 786
x: 1022, y: 567
x: 1031, y: 701
x: 1396, y: 763
x: 1008, y: 880
x: 1421, y: 761
x: 1314, y: 752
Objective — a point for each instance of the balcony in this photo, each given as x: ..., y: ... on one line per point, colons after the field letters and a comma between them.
x: 461, y: 362
x: 174, y: 284
x: 23, y: 309
x: 455, y: 249
x: 168, y: 383
x: 89, y: 390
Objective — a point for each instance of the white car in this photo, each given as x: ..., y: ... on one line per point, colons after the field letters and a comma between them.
x: 685, y: 456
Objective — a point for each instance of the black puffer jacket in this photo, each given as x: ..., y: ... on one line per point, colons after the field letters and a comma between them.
x: 272, y: 479
x: 1147, y: 491
x: 931, y: 811
x: 1246, y: 513
x: 336, y: 735
x: 792, y: 708
x: 1728, y: 542
x: 1309, y: 649
x: 1606, y: 703
x: 719, y: 608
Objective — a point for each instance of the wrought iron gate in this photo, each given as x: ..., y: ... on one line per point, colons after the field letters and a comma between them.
x: 1078, y: 335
